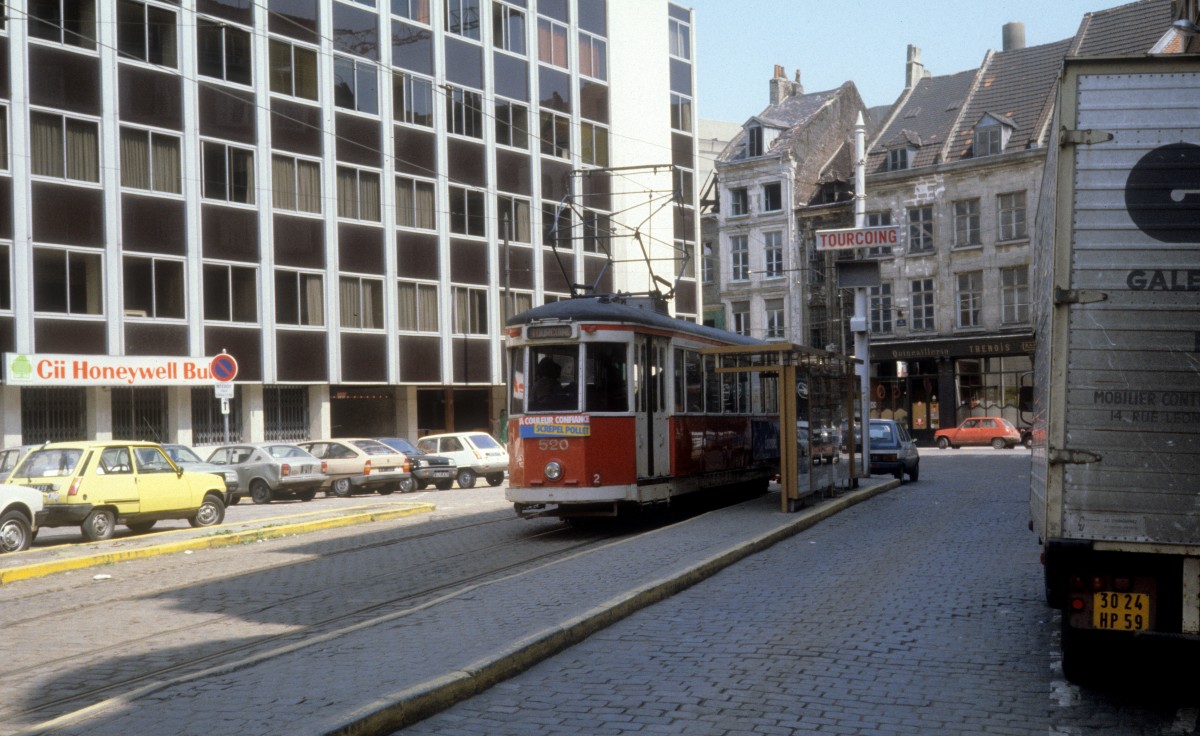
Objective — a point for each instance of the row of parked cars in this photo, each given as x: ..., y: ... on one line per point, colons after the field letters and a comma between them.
x: 99, y: 484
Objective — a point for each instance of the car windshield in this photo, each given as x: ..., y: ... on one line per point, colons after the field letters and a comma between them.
x: 882, y: 432
x: 484, y: 441
x: 182, y: 454
x: 402, y: 445
x: 286, y: 451
x: 371, y: 447
x: 49, y: 463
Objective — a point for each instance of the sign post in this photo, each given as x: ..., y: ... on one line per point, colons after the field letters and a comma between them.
x: 224, y: 369
x: 852, y: 239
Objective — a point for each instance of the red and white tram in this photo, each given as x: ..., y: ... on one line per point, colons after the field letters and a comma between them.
x: 612, y: 407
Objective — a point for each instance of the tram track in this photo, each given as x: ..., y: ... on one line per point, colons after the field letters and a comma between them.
x: 501, y: 562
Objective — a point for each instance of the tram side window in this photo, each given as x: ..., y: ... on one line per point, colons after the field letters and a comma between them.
x: 689, y: 382
x: 607, y: 371
x: 712, y: 385
x: 555, y: 378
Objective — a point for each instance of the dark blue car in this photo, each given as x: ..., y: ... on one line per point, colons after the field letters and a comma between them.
x: 893, y: 450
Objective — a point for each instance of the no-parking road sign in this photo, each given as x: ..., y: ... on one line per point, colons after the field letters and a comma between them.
x: 223, y: 368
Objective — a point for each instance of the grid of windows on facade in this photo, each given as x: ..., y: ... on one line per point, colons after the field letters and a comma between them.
x: 151, y: 158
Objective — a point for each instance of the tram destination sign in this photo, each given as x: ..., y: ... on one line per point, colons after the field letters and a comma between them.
x: 54, y: 369
x: 886, y: 236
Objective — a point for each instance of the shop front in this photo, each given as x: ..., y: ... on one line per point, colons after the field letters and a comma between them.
x: 932, y: 384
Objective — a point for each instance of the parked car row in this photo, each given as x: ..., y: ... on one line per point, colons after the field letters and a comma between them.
x: 99, y: 484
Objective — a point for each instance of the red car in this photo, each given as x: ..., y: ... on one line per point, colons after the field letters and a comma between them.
x: 994, y: 431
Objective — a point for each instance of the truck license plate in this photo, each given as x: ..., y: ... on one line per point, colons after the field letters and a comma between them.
x: 1120, y: 611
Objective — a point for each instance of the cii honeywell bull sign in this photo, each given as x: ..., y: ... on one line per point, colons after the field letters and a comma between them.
x: 886, y: 236
x: 47, y: 369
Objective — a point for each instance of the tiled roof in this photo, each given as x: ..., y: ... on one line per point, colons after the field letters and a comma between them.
x: 789, y: 115
x: 1128, y: 29
x: 928, y: 114
x: 1014, y: 85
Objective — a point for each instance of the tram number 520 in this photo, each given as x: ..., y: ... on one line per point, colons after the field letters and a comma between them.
x: 552, y: 445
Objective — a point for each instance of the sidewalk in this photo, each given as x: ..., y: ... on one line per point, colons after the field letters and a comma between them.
x: 42, y: 561
x: 403, y: 665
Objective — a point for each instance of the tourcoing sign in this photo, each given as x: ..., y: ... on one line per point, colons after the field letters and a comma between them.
x: 886, y: 236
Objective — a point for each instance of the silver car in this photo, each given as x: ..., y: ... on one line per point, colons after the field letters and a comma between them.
x: 271, y: 470
x: 186, y: 458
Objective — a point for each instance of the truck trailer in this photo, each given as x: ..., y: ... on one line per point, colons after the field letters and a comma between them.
x: 1115, y: 475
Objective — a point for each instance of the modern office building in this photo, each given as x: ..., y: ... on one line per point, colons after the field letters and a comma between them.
x: 348, y: 197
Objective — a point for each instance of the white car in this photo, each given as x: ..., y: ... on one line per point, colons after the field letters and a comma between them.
x: 475, y: 454
x: 20, y: 509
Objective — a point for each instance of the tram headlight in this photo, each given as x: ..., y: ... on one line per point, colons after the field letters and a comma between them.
x: 554, y: 470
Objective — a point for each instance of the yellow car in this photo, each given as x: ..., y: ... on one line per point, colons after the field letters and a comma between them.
x: 97, y: 485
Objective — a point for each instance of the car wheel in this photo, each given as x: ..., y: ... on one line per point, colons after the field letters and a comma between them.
x: 998, y: 443
x: 408, y: 485
x: 916, y: 471
x: 15, y: 534
x: 385, y: 490
x: 260, y: 492
x: 444, y: 485
x: 210, y: 513
x: 99, y: 525
x: 308, y: 495
x: 141, y: 527
x: 233, y: 499
x: 421, y: 486
x: 899, y: 474
x: 341, y: 487
x: 495, y: 479
x: 466, y: 478
x: 942, y: 443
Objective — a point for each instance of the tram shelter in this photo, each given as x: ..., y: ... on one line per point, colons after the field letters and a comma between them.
x: 817, y: 402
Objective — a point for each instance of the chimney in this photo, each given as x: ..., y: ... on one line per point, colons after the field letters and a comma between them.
x: 914, y: 70
x: 797, y: 88
x: 1014, y: 36
x: 781, y: 88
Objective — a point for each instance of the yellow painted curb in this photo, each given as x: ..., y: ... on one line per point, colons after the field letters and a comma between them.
x: 215, y: 539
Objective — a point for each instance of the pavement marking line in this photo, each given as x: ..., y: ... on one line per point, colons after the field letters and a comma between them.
x: 215, y: 540
x: 414, y: 703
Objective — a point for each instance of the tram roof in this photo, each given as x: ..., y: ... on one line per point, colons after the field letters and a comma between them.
x: 617, y: 308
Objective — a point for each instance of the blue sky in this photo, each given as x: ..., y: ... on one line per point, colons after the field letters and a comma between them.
x: 739, y: 42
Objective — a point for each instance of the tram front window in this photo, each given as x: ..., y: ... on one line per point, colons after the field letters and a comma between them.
x: 555, y: 378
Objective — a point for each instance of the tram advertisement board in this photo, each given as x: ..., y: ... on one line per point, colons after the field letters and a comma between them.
x: 556, y: 425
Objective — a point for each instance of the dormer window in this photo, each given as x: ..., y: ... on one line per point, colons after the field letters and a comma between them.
x: 899, y: 159
x: 754, y: 141
x: 991, y: 135
x: 902, y: 150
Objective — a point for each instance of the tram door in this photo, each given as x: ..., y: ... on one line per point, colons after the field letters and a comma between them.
x: 652, y: 393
